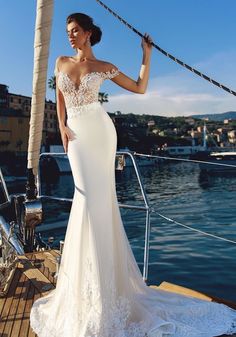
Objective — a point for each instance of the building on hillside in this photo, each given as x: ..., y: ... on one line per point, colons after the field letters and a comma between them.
x: 232, y: 136
x: 190, y: 120
x: 14, y: 130
x: 14, y: 121
x: 151, y: 123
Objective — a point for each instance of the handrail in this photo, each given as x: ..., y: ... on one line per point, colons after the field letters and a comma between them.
x: 70, y: 200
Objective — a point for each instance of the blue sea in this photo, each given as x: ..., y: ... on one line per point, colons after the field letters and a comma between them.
x: 180, y: 192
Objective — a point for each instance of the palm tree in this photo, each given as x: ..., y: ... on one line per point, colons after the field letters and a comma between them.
x: 102, y: 97
x: 52, y: 85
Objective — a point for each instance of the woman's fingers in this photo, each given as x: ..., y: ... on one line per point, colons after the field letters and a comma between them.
x: 65, y: 140
x: 148, y: 38
x: 68, y: 134
x: 65, y: 143
x: 146, y: 43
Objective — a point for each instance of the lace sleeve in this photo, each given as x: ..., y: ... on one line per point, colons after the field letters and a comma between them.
x: 112, y: 73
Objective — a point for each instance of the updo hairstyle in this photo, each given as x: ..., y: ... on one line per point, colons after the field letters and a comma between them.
x: 86, y: 23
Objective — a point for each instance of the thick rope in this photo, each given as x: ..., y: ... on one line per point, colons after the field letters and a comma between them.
x: 195, y: 71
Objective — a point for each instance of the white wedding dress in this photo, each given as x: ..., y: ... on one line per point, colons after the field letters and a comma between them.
x: 100, y: 291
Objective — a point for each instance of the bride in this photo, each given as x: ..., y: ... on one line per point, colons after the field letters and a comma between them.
x: 100, y: 291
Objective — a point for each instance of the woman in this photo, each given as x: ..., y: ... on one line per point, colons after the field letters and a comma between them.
x: 100, y: 291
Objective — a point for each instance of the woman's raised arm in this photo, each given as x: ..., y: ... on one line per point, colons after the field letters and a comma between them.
x: 140, y: 85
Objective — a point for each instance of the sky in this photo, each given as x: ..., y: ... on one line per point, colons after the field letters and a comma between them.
x: 199, y: 32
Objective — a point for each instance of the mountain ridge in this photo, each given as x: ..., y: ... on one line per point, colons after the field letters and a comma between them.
x: 218, y: 116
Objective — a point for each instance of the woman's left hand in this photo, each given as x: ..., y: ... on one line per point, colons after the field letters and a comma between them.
x: 146, y: 43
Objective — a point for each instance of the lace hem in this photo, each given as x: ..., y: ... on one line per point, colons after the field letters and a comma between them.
x: 117, y: 326
x: 97, y: 311
x: 111, y: 321
x: 110, y: 314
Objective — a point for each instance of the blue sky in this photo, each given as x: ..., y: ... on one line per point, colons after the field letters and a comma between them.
x: 201, y: 33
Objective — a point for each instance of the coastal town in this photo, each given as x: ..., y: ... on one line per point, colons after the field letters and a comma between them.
x: 144, y: 133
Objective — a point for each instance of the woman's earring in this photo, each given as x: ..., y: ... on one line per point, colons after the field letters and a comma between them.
x: 88, y: 41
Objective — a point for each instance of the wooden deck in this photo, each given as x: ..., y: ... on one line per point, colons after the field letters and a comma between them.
x: 33, y: 278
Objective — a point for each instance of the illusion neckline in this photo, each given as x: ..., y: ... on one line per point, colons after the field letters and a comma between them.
x: 77, y: 86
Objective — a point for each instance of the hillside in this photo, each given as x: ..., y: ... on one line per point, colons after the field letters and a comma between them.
x: 219, y: 116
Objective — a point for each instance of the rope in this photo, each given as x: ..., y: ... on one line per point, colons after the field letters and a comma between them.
x: 183, y: 159
x: 195, y: 71
x: 192, y: 229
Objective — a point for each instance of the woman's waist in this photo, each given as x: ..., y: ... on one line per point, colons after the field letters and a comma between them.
x: 84, y: 109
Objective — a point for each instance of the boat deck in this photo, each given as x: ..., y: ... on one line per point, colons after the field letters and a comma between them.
x: 33, y: 278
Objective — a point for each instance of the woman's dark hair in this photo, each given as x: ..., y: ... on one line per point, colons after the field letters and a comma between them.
x: 86, y: 22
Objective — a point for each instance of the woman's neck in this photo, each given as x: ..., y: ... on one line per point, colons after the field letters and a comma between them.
x: 84, y: 56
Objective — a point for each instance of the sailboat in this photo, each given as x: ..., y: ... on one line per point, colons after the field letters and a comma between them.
x: 28, y: 265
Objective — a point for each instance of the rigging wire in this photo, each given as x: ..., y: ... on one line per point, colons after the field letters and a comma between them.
x: 183, y: 159
x: 195, y: 71
x: 192, y: 229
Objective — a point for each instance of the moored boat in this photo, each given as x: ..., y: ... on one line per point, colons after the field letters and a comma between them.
x: 218, y: 162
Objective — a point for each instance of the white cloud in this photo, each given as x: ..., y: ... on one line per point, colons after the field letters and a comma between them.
x: 182, y: 92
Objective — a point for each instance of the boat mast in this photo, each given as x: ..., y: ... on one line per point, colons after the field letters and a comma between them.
x: 204, y: 136
x: 41, y: 51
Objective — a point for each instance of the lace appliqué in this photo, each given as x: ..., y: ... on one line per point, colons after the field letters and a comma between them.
x: 109, y: 313
x: 99, y: 313
x: 205, y: 320
x: 82, y: 109
x: 105, y: 314
x: 88, y: 89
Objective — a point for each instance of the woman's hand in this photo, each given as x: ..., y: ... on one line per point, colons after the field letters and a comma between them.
x: 65, y: 136
x: 146, y: 44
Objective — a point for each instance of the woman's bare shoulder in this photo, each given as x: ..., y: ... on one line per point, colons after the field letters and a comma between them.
x: 108, y: 65
x: 58, y: 63
x: 62, y: 59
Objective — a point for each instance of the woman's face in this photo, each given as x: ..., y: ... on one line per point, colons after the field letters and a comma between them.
x: 76, y: 35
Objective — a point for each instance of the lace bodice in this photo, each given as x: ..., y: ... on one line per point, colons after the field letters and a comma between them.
x: 88, y: 89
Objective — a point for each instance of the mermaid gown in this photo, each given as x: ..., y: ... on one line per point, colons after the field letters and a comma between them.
x: 100, y: 291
